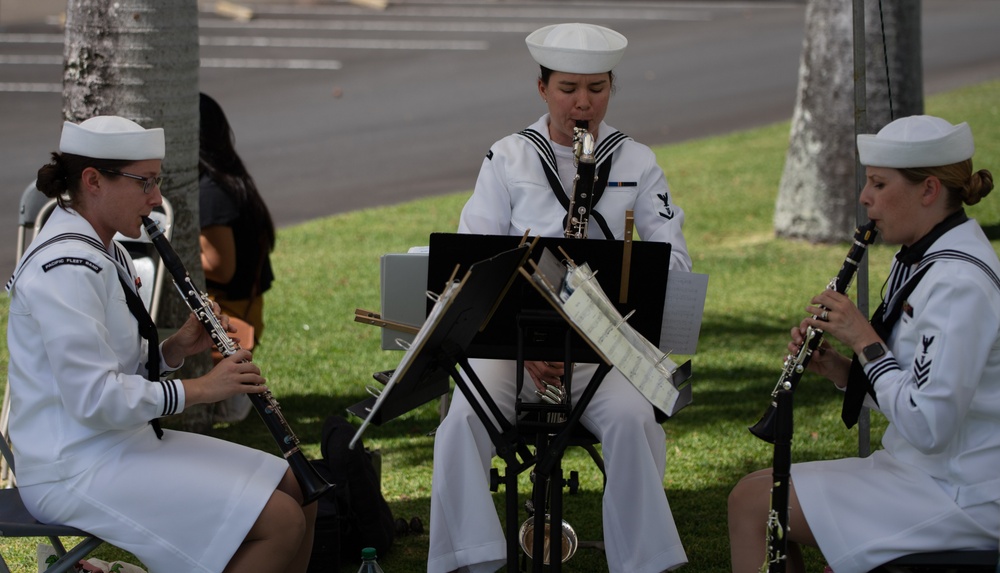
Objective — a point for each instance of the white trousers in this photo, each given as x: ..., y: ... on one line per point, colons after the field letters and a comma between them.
x: 639, y: 531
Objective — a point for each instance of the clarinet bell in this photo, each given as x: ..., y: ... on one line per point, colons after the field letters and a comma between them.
x: 764, y: 429
x: 313, y: 485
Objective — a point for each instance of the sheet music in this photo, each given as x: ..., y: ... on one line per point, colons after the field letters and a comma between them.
x: 442, y: 303
x: 683, y: 309
x: 588, y: 307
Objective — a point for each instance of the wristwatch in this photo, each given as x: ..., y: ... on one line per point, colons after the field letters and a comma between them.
x: 872, y: 352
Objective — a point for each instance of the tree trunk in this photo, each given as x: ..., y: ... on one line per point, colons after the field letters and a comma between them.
x: 818, y: 195
x: 139, y: 59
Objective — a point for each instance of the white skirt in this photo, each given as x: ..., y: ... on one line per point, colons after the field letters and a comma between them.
x: 183, y: 503
x: 865, y: 512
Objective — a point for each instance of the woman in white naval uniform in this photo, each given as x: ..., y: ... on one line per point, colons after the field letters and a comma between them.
x: 523, y: 184
x: 82, y: 401
x: 935, y: 373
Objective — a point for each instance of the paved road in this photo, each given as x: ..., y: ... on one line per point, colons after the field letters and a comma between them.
x: 338, y: 107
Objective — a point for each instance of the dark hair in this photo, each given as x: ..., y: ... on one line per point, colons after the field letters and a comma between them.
x: 217, y: 158
x: 964, y: 185
x: 546, y: 73
x: 60, y: 178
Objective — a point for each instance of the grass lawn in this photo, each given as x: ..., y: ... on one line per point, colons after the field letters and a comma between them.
x: 318, y: 360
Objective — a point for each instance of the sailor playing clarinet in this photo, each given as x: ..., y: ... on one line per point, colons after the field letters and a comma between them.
x: 929, y: 361
x: 526, y: 182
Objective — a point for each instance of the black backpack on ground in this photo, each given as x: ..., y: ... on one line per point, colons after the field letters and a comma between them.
x: 353, y: 515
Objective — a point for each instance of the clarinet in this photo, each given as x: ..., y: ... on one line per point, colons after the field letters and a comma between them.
x: 776, y: 424
x: 312, y: 484
x: 795, y: 365
x: 776, y: 540
x: 578, y: 213
x: 577, y: 217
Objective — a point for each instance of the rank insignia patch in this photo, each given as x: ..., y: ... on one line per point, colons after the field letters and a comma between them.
x: 668, y: 211
x: 922, y: 362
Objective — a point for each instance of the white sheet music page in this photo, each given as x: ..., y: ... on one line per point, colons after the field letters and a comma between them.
x: 645, y: 366
x: 683, y: 309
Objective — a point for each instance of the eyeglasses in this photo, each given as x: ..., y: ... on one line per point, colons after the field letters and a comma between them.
x: 147, y: 182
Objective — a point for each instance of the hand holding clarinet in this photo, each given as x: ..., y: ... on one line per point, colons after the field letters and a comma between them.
x: 838, y: 316
x: 233, y: 376
x: 236, y: 366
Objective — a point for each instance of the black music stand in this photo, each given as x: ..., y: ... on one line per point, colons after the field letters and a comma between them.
x: 494, y: 316
x: 647, y: 287
x: 443, y: 342
x: 526, y: 326
x: 429, y: 363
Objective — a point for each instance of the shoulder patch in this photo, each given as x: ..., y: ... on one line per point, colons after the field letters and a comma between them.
x: 71, y: 261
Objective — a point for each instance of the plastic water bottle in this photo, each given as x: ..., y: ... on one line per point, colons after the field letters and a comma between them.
x: 369, y: 564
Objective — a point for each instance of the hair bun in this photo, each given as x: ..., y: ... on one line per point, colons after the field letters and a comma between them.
x: 51, y: 180
x: 980, y: 184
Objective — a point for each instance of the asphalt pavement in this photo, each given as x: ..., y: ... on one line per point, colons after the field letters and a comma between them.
x: 338, y: 108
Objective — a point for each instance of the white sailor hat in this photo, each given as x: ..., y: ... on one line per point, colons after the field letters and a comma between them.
x: 576, y: 48
x: 112, y: 137
x: 917, y: 141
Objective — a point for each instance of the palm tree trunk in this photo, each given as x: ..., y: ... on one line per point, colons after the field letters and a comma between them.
x: 139, y: 59
x: 817, y: 195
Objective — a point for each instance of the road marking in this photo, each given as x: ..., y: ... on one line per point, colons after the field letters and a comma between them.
x: 32, y: 38
x: 262, y: 63
x: 373, y: 26
x: 352, y: 44
x: 270, y: 64
x: 556, y: 12
x: 266, y: 42
x: 31, y: 60
x: 30, y: 87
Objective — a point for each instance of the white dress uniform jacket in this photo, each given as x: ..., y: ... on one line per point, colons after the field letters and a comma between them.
x: 80, y: 410
x: 935, y: 484
x: 512, y: 195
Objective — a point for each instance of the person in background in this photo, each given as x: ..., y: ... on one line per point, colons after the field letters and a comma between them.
x: 237, y: 237
x: 87, y: 390
x: 523, y: 184
x: 237, y: 233
x: 929, y: 360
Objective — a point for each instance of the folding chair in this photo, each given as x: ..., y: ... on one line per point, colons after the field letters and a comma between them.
x: 943, y: 562
x: 34, y: 210
x: 15, y: 521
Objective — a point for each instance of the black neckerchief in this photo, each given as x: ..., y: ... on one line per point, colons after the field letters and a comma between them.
x: 884, y: 318
x: 603, y: 152
x: 911, y: 255
x: 147, y: 330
